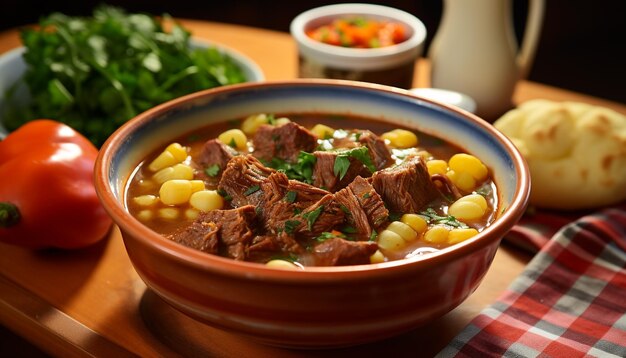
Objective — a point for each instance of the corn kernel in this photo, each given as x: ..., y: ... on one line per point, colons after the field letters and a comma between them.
x: 405, y: 231
x: 206, y: 200
x: 466, y: 210
x: 196, y: 185
x: 389, y: 240
x: 191, y: 214
x: 437, y: 166
x: 415, y: 221
x: 401, y: 138
x: 281, y: 121
x: 169, y: 213
x: 252, y: 123
x: 462, y: 180
x: 144, y: 215
x: 178, y: 171
x: 458, y: 235
x: 322, y: 131
x: 145, y: 200
x: 466, y: 163
x: 476, y: 198
x: 178, y: 152
x: 437, y: 234
x: 281, y: 264
x: 165, y: 159
x: 175, y: 192
x: 234, y: 138
x: 377, y: 257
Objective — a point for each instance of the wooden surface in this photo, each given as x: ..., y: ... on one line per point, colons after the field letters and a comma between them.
x: 91, y: 302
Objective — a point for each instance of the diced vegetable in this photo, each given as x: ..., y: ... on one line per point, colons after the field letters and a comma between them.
x: 206, y: 200
x: 235, y: 138
x: 401, y: 138
x: 174, y: 192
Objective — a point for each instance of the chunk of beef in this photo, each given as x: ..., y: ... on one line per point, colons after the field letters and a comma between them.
x: 214, y: 152
x: 283, y: 199
x: 365, y: 209
x: 242, y: 178
x: 284, y: 142
x: 220, y: 231
x: 319, y: 217
x: 337, y: 251
x: 380, y: 154
x: 324, y: 173
x: 264, y: 248
x: 405, y: 188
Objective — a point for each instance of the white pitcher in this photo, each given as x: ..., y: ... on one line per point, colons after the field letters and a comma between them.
x: 475, y: 51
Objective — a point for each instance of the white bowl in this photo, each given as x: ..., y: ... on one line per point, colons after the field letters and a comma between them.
x: 390, y: 65
x: 13, y: 67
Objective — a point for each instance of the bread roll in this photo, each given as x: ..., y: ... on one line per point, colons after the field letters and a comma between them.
x: 576, y: 152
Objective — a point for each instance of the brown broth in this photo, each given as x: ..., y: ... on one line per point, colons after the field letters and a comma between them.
x: 194, y: 141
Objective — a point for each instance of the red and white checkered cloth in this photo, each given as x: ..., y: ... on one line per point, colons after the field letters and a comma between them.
x: 570, y: 301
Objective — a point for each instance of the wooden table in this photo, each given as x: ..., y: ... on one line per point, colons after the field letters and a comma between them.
x: 91, y: 302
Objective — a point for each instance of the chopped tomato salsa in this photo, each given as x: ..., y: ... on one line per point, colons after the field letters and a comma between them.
x: 359, y: 32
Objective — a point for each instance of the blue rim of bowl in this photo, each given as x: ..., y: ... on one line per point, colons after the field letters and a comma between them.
x: 231, y: 267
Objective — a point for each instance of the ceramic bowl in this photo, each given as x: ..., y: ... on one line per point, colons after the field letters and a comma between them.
x: 13, y: 67
x: 391, y: 65
x: 317, y: 306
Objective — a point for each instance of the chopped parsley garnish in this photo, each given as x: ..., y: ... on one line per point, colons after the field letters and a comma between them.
x: 373, y: 236
x: 311, y: 216
x: 251, y: 190
x: 345, y: 209
x: 348, y: 229
x: 212, y: 170
x: 301, y: 170
x: 271, y: 119
x: 290, y: 197
x: 291, y: 226
x: 342, y: 162
x: 232, y: 143
x: 431, y: 215
x: 329, y: 235
x: 224, y: 194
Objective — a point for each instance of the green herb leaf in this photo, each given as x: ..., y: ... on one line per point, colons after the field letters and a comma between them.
x: 342, y: 164
x: 251, y: 190
x: 311, y: 216
x: 431, y: 215
x: 290, y: 197
x: 302, y: 170
x: 291, y: 226
x: 329, y: 235
x: 212, y: 170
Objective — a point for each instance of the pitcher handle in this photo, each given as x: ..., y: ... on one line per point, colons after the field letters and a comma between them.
x: 530, y: 41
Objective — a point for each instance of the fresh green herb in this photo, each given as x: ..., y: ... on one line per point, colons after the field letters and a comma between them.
x: 224, y: 194
x: 94, y: 73
x: 297, y: 211
x: 367, y: 195
x: 251, y: 190
x: 373, y: 236
x: 312, y: 216
x: 232, y: 143
x: 348, y: 229
x: 212, y: 170
x: 342, y: 163
x: 271, y: 119
x: 432, y: 216
x: 345, y: 209
x: 394, y: 216
x: 291, y: 226
x: 290, y: 197
x: 302, y: 170
x: 329, y: 235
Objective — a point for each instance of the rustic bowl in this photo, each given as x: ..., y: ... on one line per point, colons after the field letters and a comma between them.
x: 318, y: 306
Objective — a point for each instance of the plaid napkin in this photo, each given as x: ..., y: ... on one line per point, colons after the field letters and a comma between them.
x: 570, y: 301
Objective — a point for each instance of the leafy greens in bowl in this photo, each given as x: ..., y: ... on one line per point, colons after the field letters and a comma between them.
x: 94, y: 73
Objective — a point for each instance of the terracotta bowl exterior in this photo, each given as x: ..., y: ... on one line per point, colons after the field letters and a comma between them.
x: 318, y: 306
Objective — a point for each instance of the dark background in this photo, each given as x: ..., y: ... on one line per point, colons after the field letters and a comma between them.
x: 582, y: 46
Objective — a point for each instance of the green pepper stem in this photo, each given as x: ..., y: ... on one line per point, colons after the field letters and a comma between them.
x: 9, y: 214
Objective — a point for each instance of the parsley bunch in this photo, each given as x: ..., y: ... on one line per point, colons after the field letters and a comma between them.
x: 95, y: 73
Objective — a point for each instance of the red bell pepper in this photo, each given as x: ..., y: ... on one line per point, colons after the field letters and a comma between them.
x: 47, y: 195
